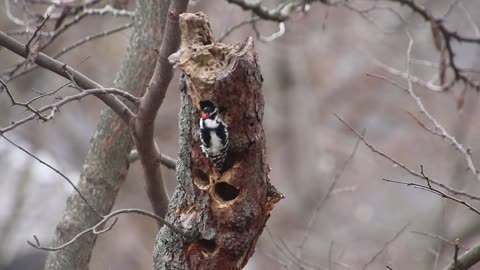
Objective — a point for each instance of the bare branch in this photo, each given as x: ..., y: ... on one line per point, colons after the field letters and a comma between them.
x: 422, y: 125
x: 467, y: 260
x: 455, y: 254
x: 288, y: 254
x: 13, y: 216
x: 403, y: 75
x: 76, y: 44
x: 27, y: 46
x: 450, y: 8
x: 438, y: 237
x: 433, y: 190
x: 385, y: 246
x: 99, y: 92
x: 104, y: 91
x: 143, y: 126
x: 272, y: 37
x: 13, y: 18
x: 46, y: 94
x: 92, y: 38
x: 278, y: 14
x: 470, y: 19
x: 466, y: 152
x: 165, y: 160
x: 55, y: 170
x: 97, y: 228
x: 109, y: 10
x: 404, y: 167
x: 71, y: 4
x: 330, y: 254
x: 65, y: 71
x: 284, y: 10
x: 62, y: 29
x: 448, y: 36
x: 24, y: 104
x: 237, y: 26
x: 325, y: 198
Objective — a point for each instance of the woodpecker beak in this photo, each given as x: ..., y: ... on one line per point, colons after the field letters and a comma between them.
x: 205, y: 116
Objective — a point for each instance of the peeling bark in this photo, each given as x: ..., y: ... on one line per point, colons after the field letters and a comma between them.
x: 225, y: 211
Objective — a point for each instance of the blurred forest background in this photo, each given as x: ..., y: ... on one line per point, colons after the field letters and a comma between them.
x: 318, y: 68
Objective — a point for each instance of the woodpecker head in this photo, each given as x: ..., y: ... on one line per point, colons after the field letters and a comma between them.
x: 209, y: 111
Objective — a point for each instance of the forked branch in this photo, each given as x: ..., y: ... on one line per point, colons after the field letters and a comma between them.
x: 69, y: 73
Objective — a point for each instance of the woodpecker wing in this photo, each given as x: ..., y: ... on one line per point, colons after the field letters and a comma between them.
x: 214, y: 138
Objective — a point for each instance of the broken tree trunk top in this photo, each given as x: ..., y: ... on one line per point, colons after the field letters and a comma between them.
x: 227, y: 209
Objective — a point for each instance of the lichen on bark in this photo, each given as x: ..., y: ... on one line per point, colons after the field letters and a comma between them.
x: 224, y: 211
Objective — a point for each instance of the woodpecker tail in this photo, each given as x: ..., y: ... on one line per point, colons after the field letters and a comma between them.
x: 219, y: 158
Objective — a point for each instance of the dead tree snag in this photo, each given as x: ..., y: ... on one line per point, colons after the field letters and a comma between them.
x: 224, y: 210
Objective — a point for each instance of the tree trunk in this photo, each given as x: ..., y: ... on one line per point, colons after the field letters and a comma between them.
x: 224, y: 211
x: 106, y: 164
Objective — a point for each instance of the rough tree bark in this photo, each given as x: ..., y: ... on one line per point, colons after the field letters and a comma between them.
x: 225, y: 212
x: 106, y: 164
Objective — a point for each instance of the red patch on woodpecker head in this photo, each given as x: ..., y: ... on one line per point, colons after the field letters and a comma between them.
x: 205, y: 116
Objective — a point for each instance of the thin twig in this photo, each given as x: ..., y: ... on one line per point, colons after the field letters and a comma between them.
x: 403, y: 75
x: 434, y: 191
x: 237, y: 26
x: 385, y: 246
x: 13, y: 18
x: 437, y: 237
x: 276, y: 14
x: 63, y: 4
x: 76, y: 44
x: 96, y: 229
x: 325, y: 198
x: 287, y: 253
x: 422, y: 125
x: 42, y: 94
x: 65, y: 71
x: 455, y: 254
x: 27, y: 45
x: 465, y: 151
x: 108, y: 9
x: 13, y: 218
x: 404, y: 167
x: 272, y: 37
x: 56, y: 171
x: 55, y: 106
x: 103, y: 91
x: 330, y: 254
x: 92, y: 38
x: 448, y: 36
x: 450, y: 8
x: 23, y: 104
x: 470, y: 20
x: 466, y: 260
x: 82, y: 15
x: 165, y: 160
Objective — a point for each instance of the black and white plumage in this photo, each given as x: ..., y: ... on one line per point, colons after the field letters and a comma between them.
x: 214, y: 135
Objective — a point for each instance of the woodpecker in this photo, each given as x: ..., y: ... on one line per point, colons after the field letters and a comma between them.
x: 213, y: 134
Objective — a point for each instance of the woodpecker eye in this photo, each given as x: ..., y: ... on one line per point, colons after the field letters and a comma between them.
x: 207, y: 110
